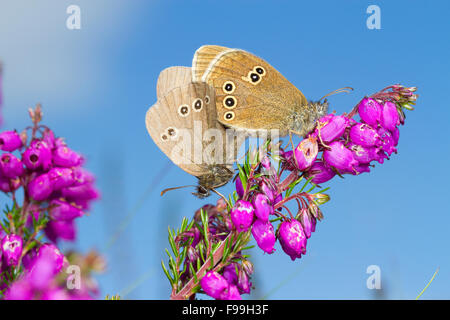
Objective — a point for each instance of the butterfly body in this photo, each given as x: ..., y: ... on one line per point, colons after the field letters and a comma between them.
x: 251, y: 94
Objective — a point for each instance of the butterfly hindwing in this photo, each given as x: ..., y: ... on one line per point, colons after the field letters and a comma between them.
x: 171, y: 78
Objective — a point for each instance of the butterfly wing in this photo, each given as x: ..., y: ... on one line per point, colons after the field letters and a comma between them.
x: 171, y: 78
x: 202, y: 59
x: 251, y: 94
x: 183, y: 124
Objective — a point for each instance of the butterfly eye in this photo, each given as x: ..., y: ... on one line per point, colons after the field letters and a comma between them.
x: 197, y: 105
x: 183, y: 110
x: 260, y: 70
x: 207, y: 99
x: 171, y: 132
x: 228, y: 87
x: 164, y: 137
x: 229, y: 102
x: 229, y: 115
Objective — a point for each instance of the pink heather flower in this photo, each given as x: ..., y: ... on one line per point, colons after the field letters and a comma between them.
x: 370, y: 111
x: 242, y: 215
x: 82, y: 192
x: 308, y: 222
x: 10, y: 166
x: 388, y: 141
x: 11, y: 249
x: 320, y: 172
x: 229, y: 273
x: 264, y: 235
x: 38, y: 155
x: 40, y: 188
x: 214, y: 284
x: 62, y: 229
x: 62, y: 210
x: 292, y: 238
x: 332, y: 129
x: 43, y: 271
x: 231, y: 293
x: 82, y: 176
x: 363, y: 135
x: 52, y: 253
x: 10, y: 141
x: 266, y: 163
x: 306, y: 153
x: 19, y: 290
x: 239, y: 187
x: 55, y: 294
x: 61, y: 178
x: 29, y: 259
x: 364, y: 154
x: 395, y: 135
x: 389, y: 117
x: 65, y: 157
x: 8, y: 185
x: 360, y: 168
x: 339, y: 157
x: 263, y: 207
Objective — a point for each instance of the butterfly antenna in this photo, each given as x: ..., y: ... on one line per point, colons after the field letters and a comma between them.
x: 175, y: 188
x: 344, y: 89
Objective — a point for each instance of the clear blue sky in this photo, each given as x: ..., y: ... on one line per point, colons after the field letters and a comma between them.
x: 96, y: 84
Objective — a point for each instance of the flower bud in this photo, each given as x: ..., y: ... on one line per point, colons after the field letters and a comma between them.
x: 263, y: 207
x: 333, y: 129
x: 40, y: 188
x: 364, y: 135
x: 239, y: 187
x: 214, y: 284
x: 370, y: 111
x: 396, y: 135
x: 243, y: 284
x: 10, y: 166
x: 292, y: 238
x: 389, y: 116
x: 339, y: 157
x: 321, y: 198
x: 320, y: 172
x: 65, y: 157
x: 306, y: 153
x: 10, y: 141
x: 308, y: 222
x: 11, y: 249
x: 264, y: 235
x: 242, y: 215
x: 49, y: 137
x: 82, y: 192
x: 19, y: 290
x: 247, y: 266
x: 61, y: 210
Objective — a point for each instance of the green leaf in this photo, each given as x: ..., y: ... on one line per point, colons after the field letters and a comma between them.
x: 166, y: 272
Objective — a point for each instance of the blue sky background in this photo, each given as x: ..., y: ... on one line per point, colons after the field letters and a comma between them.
x: 96, y: 84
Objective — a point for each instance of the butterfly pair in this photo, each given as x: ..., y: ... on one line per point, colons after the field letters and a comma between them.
x: 225, y: 88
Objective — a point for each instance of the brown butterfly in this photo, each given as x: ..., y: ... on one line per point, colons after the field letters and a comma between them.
x: 183, y: 124
x: 251, y: 94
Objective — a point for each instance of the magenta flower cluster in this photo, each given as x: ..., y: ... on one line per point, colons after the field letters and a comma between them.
x: 338, y: 145
x: 52, y: 175
x: 56, y: 190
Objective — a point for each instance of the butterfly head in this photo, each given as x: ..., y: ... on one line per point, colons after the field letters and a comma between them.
x: 305, y: 117
x: 217, y: 176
